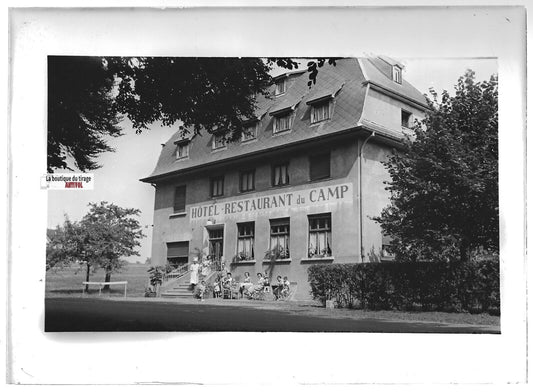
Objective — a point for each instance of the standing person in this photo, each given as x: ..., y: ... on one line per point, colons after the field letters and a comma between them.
x: 216, y: 288
x: 194, y: 273
x: 205, y: 269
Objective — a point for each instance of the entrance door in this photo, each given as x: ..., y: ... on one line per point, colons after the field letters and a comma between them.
x: 216, y: 245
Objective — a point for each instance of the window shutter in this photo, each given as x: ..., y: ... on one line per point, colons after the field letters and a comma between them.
x: 179, y: 199
x: 319, y: 167
x: 177, y: 249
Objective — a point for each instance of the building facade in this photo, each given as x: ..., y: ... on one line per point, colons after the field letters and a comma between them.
x: 303, y: 184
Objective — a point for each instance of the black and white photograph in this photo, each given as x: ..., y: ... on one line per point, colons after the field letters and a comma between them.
x: 293, y: 195
x: 201, y: 182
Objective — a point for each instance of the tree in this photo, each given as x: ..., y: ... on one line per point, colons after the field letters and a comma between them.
x: 115, y: 233
x: 88, y: 95
x: 81, y: 111
x: 444, y: 183
x: 100, y: 240
x: 69, y: 244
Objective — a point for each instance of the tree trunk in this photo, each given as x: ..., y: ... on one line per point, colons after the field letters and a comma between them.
x: 87, y: 277
x: 107, y: 279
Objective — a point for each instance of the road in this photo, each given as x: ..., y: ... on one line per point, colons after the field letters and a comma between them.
x: 88, y: 314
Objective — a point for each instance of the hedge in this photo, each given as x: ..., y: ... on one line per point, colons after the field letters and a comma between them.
x: 434, y: 286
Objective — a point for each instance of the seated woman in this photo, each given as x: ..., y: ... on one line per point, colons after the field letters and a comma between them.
x: 246, y: 284
x: 226, y: 282
x: 257, y: 287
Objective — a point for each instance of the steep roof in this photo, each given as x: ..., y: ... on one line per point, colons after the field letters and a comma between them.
x: 346, y: 82
x: 378, y: 72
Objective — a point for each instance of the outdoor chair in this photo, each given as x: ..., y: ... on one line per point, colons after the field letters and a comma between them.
x: 231, y: 292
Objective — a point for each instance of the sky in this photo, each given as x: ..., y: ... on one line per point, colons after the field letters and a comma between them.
x: 136, y: 155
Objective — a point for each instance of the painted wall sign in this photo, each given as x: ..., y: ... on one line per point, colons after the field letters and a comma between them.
x: 267, y: 203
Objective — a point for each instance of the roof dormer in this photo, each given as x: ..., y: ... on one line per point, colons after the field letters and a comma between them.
x: 396, y: 68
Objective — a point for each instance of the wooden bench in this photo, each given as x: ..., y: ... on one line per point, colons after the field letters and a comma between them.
x: 102, y: 284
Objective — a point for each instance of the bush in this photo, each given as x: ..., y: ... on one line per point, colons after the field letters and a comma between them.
x: 442, y: 286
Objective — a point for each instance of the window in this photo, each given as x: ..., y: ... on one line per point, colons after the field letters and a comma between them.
x: 281, y: 86
x: 247, y: 181
x: 280, y: 174
x: 249, y: 133
x: 216, y: 244
x: 319, y: 166
x: 179, y: 199
x: 219, y: 141
x: 320, y: 112
x: 217, y: 186
x: 282, y: 123
x: 177, y: 253
x: 182, y: 151
x: 386, y: 252
x: 397, y: 74
x: 279, y: 238
x: 245, y: 241
x: 320, y: 236
x: 406, y: 119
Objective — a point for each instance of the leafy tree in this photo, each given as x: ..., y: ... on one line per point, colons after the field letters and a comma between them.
x: 444, y: 184
x: 69, y: 244
x: 81, y: 111
x: 115, y: 233
x: 88, y: 95
x: 100, y: 240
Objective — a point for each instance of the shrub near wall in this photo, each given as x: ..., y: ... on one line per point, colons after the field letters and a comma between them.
x: 409, y: 286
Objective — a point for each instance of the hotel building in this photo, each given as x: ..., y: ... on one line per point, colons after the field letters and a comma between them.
x: 303, y: 184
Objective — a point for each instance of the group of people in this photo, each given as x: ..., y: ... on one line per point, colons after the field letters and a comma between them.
x: 246, y: 287
x: 281, y: 287
x: 199, y: 272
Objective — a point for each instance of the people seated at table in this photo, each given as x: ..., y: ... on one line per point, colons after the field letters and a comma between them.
x: 277, y: 286
x: 286, y: 287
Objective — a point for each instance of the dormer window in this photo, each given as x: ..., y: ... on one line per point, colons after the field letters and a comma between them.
x: 281, y: 86
x: 249, y: 132
x: 397, y: 74
x: 219, y: 141
x: 320, y: 111
x: 182, y: 151
x: 282, y: 122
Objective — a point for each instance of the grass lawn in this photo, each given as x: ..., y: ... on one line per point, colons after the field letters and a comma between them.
x: 68, y: 281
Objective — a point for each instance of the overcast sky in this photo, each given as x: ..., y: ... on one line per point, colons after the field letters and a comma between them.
x: 136, y: 155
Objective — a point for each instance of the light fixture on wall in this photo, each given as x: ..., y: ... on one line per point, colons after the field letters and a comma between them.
x: 210, y: 222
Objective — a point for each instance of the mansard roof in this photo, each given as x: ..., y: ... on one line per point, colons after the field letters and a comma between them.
x: 346, y: 82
